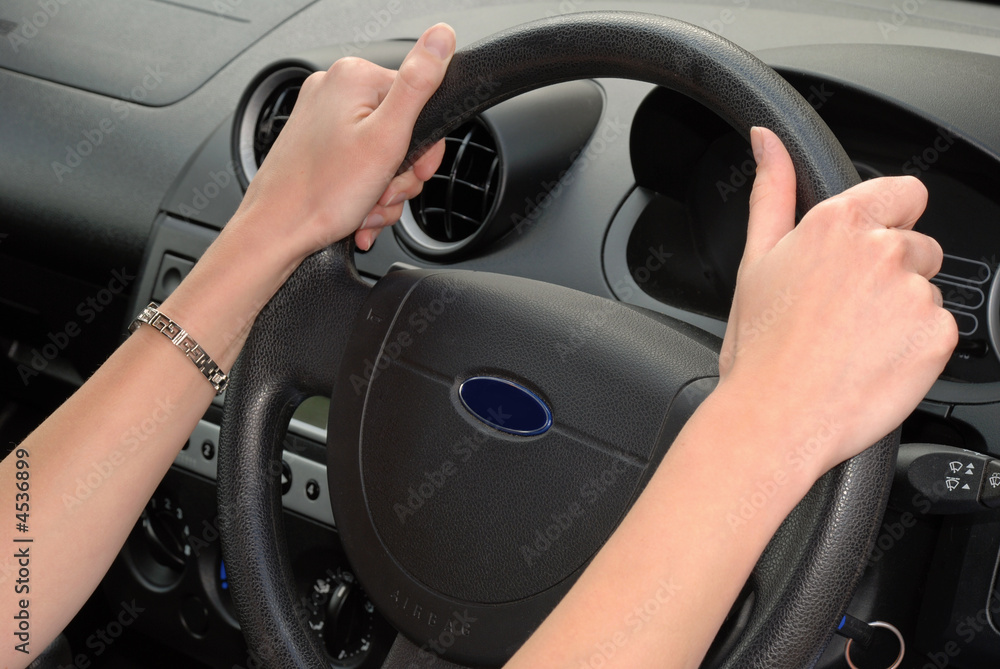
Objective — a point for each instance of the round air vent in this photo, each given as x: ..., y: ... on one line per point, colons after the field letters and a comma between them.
x: 456, y: 206
x: 262, y: 114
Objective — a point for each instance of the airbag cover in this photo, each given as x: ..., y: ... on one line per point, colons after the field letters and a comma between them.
x: 458, y: 513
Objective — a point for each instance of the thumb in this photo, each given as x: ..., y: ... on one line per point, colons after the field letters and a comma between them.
x: 772, y: 202
x: 419, y: 76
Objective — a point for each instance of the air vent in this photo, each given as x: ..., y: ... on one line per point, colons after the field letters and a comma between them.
x: 456, y: 205
x: 262, y: 114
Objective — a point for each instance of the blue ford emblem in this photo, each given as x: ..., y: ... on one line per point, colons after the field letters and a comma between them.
x: 505, y: 405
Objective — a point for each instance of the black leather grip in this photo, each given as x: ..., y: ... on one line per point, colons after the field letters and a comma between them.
x: 807, y: 575
x: 724, y: 77
x: 293, y: 352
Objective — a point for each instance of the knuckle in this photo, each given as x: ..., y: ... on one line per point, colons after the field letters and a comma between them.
x: 844, y: 211
x: 313, y: 81
x: 415, y: 77
x: 893, y: 248
x: 948, y: 335
x: 935, y: 253
x: 346, y: 65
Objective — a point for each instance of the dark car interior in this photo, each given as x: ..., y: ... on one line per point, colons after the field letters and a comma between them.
x: 129, y: 131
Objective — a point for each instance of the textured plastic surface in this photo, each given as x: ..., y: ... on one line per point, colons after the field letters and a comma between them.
x: 444, y: 513
x: 724, y: 77
x: 151, y: 53
x: 807, y: 574
x: 290, y: 354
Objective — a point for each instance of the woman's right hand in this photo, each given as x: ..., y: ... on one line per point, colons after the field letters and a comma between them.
x: 835, y: 319
x: 332, y: 169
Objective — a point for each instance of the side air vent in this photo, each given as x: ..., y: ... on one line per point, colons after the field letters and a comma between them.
x: 262, y: 114
x: 455, y: 208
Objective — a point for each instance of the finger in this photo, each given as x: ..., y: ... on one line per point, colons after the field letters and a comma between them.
x: 427, y: 164
x: 380, y: 216
x: 403, y: 187
x: 419, y: 76
x: 772, y: 201
x: 937, y: 296
x: 354, y: 79
x: 379, y: 219
x: 365, y: 238
x: 927, y: 255
x: 921, y: 254
x: 893, y: 202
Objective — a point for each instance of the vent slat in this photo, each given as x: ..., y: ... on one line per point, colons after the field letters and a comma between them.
x: 274, y: 115
x: 457, y: 200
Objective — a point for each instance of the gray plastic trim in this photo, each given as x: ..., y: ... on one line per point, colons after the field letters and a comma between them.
x: 620, y: 280
x: 993, y: 309
x: 303, y: 470
x: 248, y: 120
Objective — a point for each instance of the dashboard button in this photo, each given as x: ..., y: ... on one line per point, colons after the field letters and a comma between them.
x: 312, y: 489
x: 990, y: 495
x: 194, y: 616
x: 208, y: 449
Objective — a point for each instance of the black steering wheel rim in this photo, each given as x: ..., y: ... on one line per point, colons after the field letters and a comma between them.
x: 296, y: 345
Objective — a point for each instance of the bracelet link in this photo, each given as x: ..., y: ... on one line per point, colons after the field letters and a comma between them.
x: 179, y: 337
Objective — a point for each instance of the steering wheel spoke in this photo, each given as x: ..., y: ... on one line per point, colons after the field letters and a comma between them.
x: 440, y: 548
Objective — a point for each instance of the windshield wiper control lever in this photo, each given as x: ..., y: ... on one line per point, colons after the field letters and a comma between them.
x: 945, y: 480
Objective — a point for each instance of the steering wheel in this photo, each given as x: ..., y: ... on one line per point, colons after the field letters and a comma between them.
x: 465, y: 513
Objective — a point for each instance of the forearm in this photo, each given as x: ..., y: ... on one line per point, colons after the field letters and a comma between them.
x: 657, y: 592
x: 96, y: 461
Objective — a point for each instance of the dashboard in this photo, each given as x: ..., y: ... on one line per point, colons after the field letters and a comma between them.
x: 120, y: 163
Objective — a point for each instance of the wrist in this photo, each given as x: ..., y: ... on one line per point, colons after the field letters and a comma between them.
x: 767, y: 455
x: 219, y: 300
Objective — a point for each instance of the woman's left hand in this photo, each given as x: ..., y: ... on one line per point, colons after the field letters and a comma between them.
x: 332, y: 171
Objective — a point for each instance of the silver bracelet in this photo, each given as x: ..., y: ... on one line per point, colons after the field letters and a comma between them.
x: 180, y: 338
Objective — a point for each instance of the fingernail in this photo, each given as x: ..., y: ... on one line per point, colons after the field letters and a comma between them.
x: 396, y: 199
x: 757, y: 144
x: 372, y: 221
x: 438, y: 41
